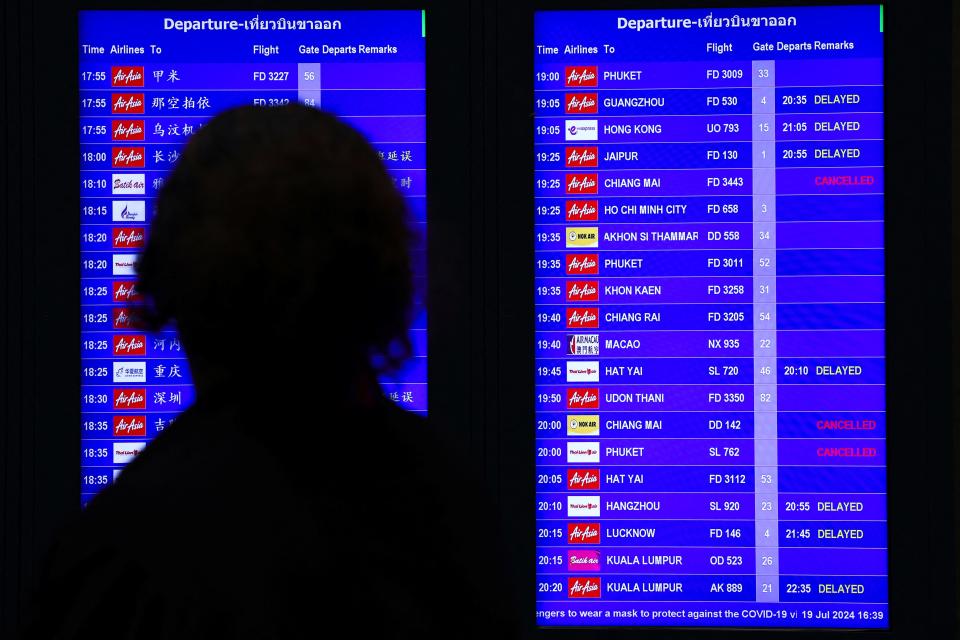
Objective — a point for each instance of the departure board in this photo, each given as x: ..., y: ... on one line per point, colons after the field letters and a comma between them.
x: 150, y: 79
x: 709, y: 261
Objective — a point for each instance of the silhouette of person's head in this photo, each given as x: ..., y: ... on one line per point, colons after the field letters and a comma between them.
x: 280, y: 249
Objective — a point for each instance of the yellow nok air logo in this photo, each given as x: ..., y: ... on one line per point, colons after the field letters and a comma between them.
x: 583, y: 237
x: 583, y: 425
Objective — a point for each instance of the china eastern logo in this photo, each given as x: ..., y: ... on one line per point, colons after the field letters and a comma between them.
x: 125, y: 291
x: 127, y: 130
x: 580, y: 76
x: 579, y: 479
x: 126, y: 76
x: 581, y: 183
x: 129, y: 345
x: 580, y: 103
x: 130, y: 399
x: 583, y: 587
x: 583, y: 425
x: 128, y: 158
x: 581, y: 157
x: 583, y: 533
x: 126, y: 426
x: 583, y: 398
x: 127, y: 238
x: 585, y: 264
x: 586, y: 237
x: 583, y: 291
x: 583, y: 318
x: 126, y: 103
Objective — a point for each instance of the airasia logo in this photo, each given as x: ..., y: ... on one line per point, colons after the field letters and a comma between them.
x: 582, y: 210
x: 127, y: 103
x: 128, y: 130
x: 581, y: 183
x: 126, y: 76
x: 583, y: 479
x: 128, y: 158
x: 129, y: 398
x: 581, y: 156
x: 583, y: 587
x: 125, y: 291
x: 583, y: 398
x: 580, y: 76
x: 582, y: 264
x: 583, y: 533
x: 579, y: 318
x: 583, y: 291
x: 127, y: 237
x: 127, y: 345
x: 581, y: 103
x: 124, y: 318
x: 124, y: 426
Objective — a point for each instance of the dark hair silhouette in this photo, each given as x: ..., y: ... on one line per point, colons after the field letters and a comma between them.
x: 279, y: 232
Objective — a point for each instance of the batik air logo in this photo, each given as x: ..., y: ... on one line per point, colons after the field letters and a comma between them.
x: 127, y: 238
x: 127, y: 426
x: 583, y: 425
x: 580, y: 76
x: 125, y: 103
x: 129, y: 345
x: 581, y: 183
x: 579, y: 479
x: 583, y: 533
x: 130, y: 399
x: 128, y: 158
x: 583, y: 506
x: 126, y: 76
x: 580, y: 103
x: 583, y: 291
x: 583, y: 318
x: 127, y: 130
x: 583, y: 587
x: 586, y: 264
x: 583, y: 398
x: 581, y: 157
x: 585, y: 560
x: 129, y: 183
x: 129, y: 211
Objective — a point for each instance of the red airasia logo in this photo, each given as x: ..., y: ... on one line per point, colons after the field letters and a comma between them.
x: 581, y: 157
x: 578, y: 479
x: 126, y: 76
x: 127, y: 238
x: 580, y: 103
x: 125, y: 291
x: 127, y: 130
x: 583, y: 533
x: 125, y: 426
x: 580, y: 76
x: 128, y: 158
x: 129, y: 345
x: 126, y: 103
x: 129, y: 398
x: 583, y: 318
x: 582, y: 264
x: 580, y: 183
x: 583, y: 291
x: 125, y: 318
x: 583, y: 398
x: 583, y: 587
x: 582, y: 210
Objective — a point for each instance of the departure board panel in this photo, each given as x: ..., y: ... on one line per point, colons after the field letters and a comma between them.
x: 150, y: 79
x: 709, y: 268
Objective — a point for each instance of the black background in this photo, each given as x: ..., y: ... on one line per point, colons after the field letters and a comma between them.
x: 480, y: 235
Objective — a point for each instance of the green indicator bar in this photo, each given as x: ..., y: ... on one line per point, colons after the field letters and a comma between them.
x: 423, y: 22
x: 881, y: 18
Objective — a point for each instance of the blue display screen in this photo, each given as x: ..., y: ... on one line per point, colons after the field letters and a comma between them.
x: 148, y: 80
x: 709, y: 261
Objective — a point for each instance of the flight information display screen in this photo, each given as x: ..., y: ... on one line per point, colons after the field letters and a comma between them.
x: 148, y: 80
x: 709, y: 260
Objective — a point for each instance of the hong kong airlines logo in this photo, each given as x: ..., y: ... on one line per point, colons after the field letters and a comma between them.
x: 126, y: 76
x: 581, y: 103
x: 124, y: 130
x: 126, y: 103
x: 581, y: 76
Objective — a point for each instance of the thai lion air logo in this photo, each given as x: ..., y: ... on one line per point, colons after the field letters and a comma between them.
x: 583, y: 398
x: 580, y: 76
x: 126, y: 103
x: 580, y: 103
x: 126, y: 76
